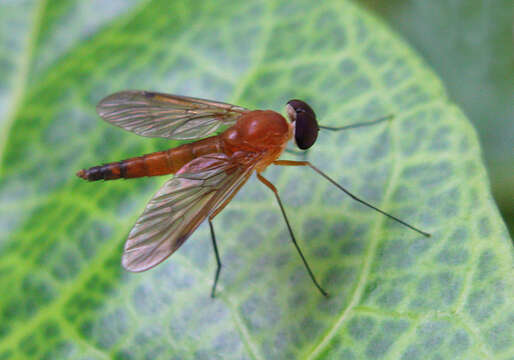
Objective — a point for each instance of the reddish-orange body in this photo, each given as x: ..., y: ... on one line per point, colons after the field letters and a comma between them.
x: 260, y: 131
x: 209, y: 171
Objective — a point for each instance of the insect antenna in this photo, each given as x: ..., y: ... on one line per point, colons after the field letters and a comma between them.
x: 306, y: 163
x: 356, y: 125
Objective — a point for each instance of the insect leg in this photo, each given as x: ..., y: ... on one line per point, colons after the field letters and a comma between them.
x: 275, y: 191
x: 306, y: 163
x: 218, y: 261
x: 379, y: 120
x: 213, y: 237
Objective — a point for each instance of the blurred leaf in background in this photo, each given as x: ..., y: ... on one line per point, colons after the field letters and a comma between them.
x: 469, y: 44
x: 395, y: 294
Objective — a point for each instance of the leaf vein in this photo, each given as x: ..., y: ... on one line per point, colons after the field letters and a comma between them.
x: 22, y: 77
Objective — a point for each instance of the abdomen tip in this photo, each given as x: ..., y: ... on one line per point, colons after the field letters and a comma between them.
x: 82, y: 174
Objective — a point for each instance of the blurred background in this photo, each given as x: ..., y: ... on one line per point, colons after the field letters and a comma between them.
x: 469, y: 45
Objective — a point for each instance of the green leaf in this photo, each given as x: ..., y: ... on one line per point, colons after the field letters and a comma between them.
x: 394, y: 293
x: 448, y: 38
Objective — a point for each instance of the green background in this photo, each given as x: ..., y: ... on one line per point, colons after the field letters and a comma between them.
x: 469, y: 44
x: 394, y: 293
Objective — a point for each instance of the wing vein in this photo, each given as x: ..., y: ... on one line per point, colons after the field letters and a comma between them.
x: 167, y: 116
x: 182, y: 204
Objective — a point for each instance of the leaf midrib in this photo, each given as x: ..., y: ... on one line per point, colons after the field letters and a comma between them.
x: 371, y: 251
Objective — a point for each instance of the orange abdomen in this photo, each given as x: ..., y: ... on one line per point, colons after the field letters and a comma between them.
x: 157, y: 163
x: 262, y: 131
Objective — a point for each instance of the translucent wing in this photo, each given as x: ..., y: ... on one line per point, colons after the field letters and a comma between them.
x: 168, y: 116
x: 181, y: 205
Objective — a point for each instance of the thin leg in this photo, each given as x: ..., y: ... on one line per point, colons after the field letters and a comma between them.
x: 306, y: 163
x: 218, y: 261
x: 379, y: 120
x: 213, y: 237
x: 274, y: 189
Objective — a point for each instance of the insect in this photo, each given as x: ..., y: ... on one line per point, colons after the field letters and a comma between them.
x: 209, y: 171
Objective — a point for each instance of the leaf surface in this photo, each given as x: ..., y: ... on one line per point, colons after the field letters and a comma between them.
x: 394, y: 293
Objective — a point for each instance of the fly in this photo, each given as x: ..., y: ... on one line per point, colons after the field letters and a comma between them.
x: 208, y: 171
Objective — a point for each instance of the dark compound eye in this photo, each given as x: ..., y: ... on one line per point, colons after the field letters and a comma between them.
x: 306, y: 126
